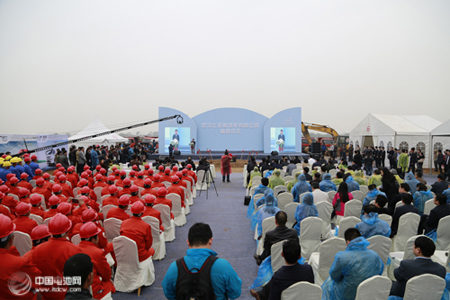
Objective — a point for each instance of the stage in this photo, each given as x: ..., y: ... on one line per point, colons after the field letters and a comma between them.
x: 218, y: 154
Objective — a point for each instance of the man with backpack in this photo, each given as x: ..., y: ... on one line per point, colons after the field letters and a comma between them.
x: 200, y: 274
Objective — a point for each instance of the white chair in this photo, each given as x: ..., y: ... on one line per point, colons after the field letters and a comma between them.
x: 443, y: 234
x: 288, y: 178
x: 290, y: 212
x: 177, y: 209
x: 14, y: 196
x: 167, y: 184
x: 331, y: 196
x: 190, y: 196
x: 346, y: 223
x: 407, y: 228
x: 305, y: 289
x: 75, y: 190
x: 310, y: 232
x: 284, y: 199
x: 98, y: 193
x: 358, y: 195
x: 353, y: 208
x: 256, y: 180
x: 382, y: 246
x: 321, y: 261
x: 364, y: 189
x: 131, y: 274
x: 22, y: 241
x: 426, y: 286
x: 279, y: 189
x: 332, y: 172
x: 169, y: 226
x: 398, y: 204
x: 256, y: 198
x: 112, y: 228
x: 106, y: 208
x: 33, y: 183
x: 429, y: 205
x: 386, y: 217
x: 37, y: 218
x: 76, y: 239
x: 268, y: 224
x: 46, y: 221
x: 374, y: 288
x: 276, y: 258
x: 159, y: 244
x: 200, y: 186
x: 325, y: 209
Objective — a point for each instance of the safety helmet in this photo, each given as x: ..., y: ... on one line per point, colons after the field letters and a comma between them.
x: 59, y: 224
x: 137, y: 208
x: 88, y: 230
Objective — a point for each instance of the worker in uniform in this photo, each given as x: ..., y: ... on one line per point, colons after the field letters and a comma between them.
x: 67, y: 190
x: 8, y: 201
x: 110, y: 182
x: 191, y: 173
x: 126, y: 183
x: 150, y: 211
x: 27, y: 167
x: 147, y: 187
x: 24, y: 183
x: 157, y: 182
x: 113, y: 198
x: 4, y: 209
x: 24, y: 195
x: 39, y: 235
x: 36, y: 208
x: 57, y: 192
x: 41, y: 190
x: 175, y: 189
x: 120, y: 211
x: 135, y: 194
x: 72, y: 176
x: 23, y: 222
x: 14, y: 189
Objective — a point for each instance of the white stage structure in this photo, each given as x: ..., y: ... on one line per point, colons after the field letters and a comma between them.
x: 96, y: 127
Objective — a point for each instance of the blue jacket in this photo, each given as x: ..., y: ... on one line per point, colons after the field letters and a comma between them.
x: 224, y: 279
x: 94, y: 158
x: 16, y: 171
x: 29, y: 171
x: 3, y: 173
x: 34, y: 166
x: 352, y: 184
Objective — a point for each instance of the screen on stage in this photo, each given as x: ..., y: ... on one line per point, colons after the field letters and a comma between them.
x: 179, y: 137
x: 282, y: 139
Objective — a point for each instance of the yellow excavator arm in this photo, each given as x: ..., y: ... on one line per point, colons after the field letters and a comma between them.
x: 317, y: 127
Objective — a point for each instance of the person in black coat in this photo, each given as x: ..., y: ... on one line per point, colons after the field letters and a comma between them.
x: 423, y: 250
x: 287, y: 275
x: 436, y: 214
x: 440, y: 186
x: 402, y: 189
x: 389, y: 183
x: 412, y: 160
x: 401, y: 210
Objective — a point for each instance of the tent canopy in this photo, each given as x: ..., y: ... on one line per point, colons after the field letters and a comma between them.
x: 443, y: 129
x: 96, y: 127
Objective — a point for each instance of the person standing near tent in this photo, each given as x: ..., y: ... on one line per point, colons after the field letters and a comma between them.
x: 225, y: 166
x: 94, y: 157
x: 81, y: 160
x: 403, y: 163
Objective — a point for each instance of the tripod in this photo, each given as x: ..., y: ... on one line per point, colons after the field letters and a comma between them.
x: 208, y: 172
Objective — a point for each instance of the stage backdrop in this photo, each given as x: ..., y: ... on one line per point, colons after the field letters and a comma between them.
x: 235, y: 129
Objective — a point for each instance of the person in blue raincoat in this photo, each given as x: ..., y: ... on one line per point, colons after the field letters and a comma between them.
x: 371, y: 224
x: 411, y: 180
x: 351, y: 267
x: 300, y: 187
x: 259, y: 190
x: 265, y: 212
x: 304, y: 210
x: 421, y: 196
x: 262, y: 200
x: 352, y: 185
x: 371, y: 195
x: 326, y: 185
x: 94, y: 157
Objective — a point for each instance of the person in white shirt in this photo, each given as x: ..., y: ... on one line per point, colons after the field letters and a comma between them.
x: 311, y: 160
x: 318, y: 195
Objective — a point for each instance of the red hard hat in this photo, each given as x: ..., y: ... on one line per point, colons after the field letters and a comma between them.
x: 112, y: 189
x: 84, y: 175
x: 40, y: 181
x: 64, y: 208
x: 26, y: 159
x: 88, y: 230
x: 117, y: 172
x: 40, y: 232
x: 185, y: 171
x: 88, y: 215
x: 56, y: 188
x: 114, y: 168
x: 35, y: 199
x: 22, y: 208
x: 189, y: 166
x: 54, y: 200
x: 33, y: 157
x: 161, y: 168
x: 1, y: 195
x: 46, y: 175
x: 175, y: 178
x: 162, y: 191
x: 137, y: 207
x: 71, y: 169
x: 89, y: 172
x: 111, y: 178
x: 167, y: 170
x: 124, y: 200
x: 179, y: 174
x: 58, y: 165
x: 123, y: 173
x: 174, y: 168
x: 147, y: 166
x: 147, y: 182
x: 23, y: 192
x: 83, y: 182
x: 61, y: 169
x: 85, y: 190
x: 98, y: 167
x: 135, y: 167
x: 9, y: 176
x: 102, y: 171
x: 157, y: 177
x: 134, y: 188
x: 38, y: 171
x: 62, y: 178
x: 132, y: 173
x: 14, y: 180
x: 149, y: 198
x: 150, y: 171
x: 86, y: 167
x: 24, y: 175
x: 99, y: 177
x: 4, y: 189
x: 127, y: 182
x: 6, y: 226
x: 57, y: 174
x: 59, y: 224
x: 140, y: 174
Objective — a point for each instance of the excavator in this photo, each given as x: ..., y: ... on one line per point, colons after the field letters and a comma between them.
x: 339, y: 140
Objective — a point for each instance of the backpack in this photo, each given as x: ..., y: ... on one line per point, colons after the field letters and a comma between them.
x: 195, y: 285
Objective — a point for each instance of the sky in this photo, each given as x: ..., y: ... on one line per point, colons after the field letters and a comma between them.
x: 64, y: 62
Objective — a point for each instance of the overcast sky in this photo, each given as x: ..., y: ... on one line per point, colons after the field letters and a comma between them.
x: 64, y: 62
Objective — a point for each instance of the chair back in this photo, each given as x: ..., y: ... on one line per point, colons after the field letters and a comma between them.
x: 426, y: 286
x: 256, y: 198
x: 310, y: 233
x: 331, y: 196
x: 358, y: 195
x: 381, y: 245
x: 386, y: 217
x: 290, y: 212
x: 429, y: 205
x: 275, y: 254
x: 154, y: 224
x: 165, y: 214
x: 346, y: 223
x: 407, y: 227
x: 75, y: 190
x: 98, y: 193
x: 364, y: 189
x: 409, y: 254
x: 399, y: 203
x: 353, y: 208
x: 33, y: 183
x: 106, y: 208
x: 112, y: 228
x: 177, y: 210
x: 76, y: 239
x: 279, y: 189
x: 288, y: 178
x: 300, y: 198
x: 167, y: 184
x: 307, y: 290
x: 37, y: 218
x: 374, y: 288
x: 284, y: 199
x: 126, y: 253
x: 332, y: 172
x: 46, y: 221
x: 22, y: 241
x: 328, y: 250
x: 268, y: 224
x: 256, y: 180
x: 14, y: 196
x: 443, y: 234
x: 325, y: 209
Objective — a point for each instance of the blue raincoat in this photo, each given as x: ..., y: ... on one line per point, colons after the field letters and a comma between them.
x: 265, y: 212
x: 349, y: 269
x: 372, y: 225
x: 94, y: 158
x: 16, y: 171
x: 412, y: 182
x: 304, y: 210
x: 447, y: 194
x: 370, y: 196
x: 351, y: 184
x: 262, y: 200
x: 326, y: 185
x: 420, y: 197
x: 300, y: 187
x: 251, y: 206
x: 268, y: 173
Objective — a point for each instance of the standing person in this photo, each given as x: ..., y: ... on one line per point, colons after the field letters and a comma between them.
x: 225, y: 166
x: 447, y: 163
x: 412, y: 160
x: 332, y: 150
x: 368, y: 164
x: 176, y: 136
x: 439, y: 159
x: 81, y: 160
x: 217, y: 276
x: 389, y: 184
x: 94, y: 157
x: 403, y: 163
x: 383, y: 156
x: 350, y: 153
x: 420, y: 160
x: 73, y: 155
x: 192, y: 144
x: 170, y: 150
x: 324, y: 148
x: 392, y: 157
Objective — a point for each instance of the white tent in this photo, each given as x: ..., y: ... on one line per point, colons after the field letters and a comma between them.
x: 395, y: 131
x: 96, y: 127
x: 441, y: 136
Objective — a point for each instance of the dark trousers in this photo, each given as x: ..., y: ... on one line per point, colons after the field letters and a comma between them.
x: 264, y: 293
x: 228, y: 178
x: 412, y: 168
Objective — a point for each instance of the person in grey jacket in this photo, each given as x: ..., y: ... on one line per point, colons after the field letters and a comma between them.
x: 63, y: 159
x: 81, y: 160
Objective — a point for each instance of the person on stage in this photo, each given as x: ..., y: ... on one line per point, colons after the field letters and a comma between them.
x: 281, y: 139
x: 176, y: 137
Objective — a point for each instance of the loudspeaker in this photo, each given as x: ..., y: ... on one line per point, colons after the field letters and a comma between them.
x: 274, y: 153
x: 315, y: 148
x: 176, y: 152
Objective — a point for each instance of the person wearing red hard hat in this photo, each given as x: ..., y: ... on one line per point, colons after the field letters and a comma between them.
x: 8, y: 179
x: 102, y: 285
x: 120, y: 212
x: 146, y: 169
x: 47, y: 184
x: 53, y: 202
x: 100, y: 182
x: 109, y: 182
x: 67, y: 190
x: 176, y: 189
x: 174, y: 171
x: 23, y: 222
x: 122, y: 177
x: 126, y: 187
x: 191, y: 173
x: 58, y: 192
x: 14, y: 189
x: 40, y: 189
x: 28, y: 169
x: 36, y: 208
x: 24, y: 196
x: 150, y: 174
x: 39, y: 235
x: 44, y: 254
x: 147, y: 187
x: 24, y: 183
x: 139, y: 181
x: 113, y: 198
x: 181, y: 182
x: 4, y: 209
x: 157, y: 182
x: 139, y: 231
x: 161, y: 199
x: 166, y: 176
x: 86, y: 191
x: 90, y: 179
x: 34, y: 163
x: 65, y: 208
x: 132, y: 175
x: 135, y: 194
x: 150, y: 211
x: 79, y: 206
x: 37, y: 174
x: 8, y: 201
x: 72, y: 176
x: 160, y: 170
x: 12, y: 265
x: 186, y: 177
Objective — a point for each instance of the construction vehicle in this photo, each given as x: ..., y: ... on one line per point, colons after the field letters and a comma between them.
x: 338, y: 140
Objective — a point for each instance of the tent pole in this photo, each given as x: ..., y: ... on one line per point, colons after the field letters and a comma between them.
x: 430, y: 161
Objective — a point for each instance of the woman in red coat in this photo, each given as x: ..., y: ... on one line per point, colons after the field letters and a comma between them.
x: 225, y: 168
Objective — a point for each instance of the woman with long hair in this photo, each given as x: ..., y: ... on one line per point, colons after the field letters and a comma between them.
x: 342, y: 196
x: 389, y: 183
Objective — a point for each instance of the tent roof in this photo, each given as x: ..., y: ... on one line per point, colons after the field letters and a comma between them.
x: 378, y: 124
x: 96, y: 127
x: 443, y: 129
